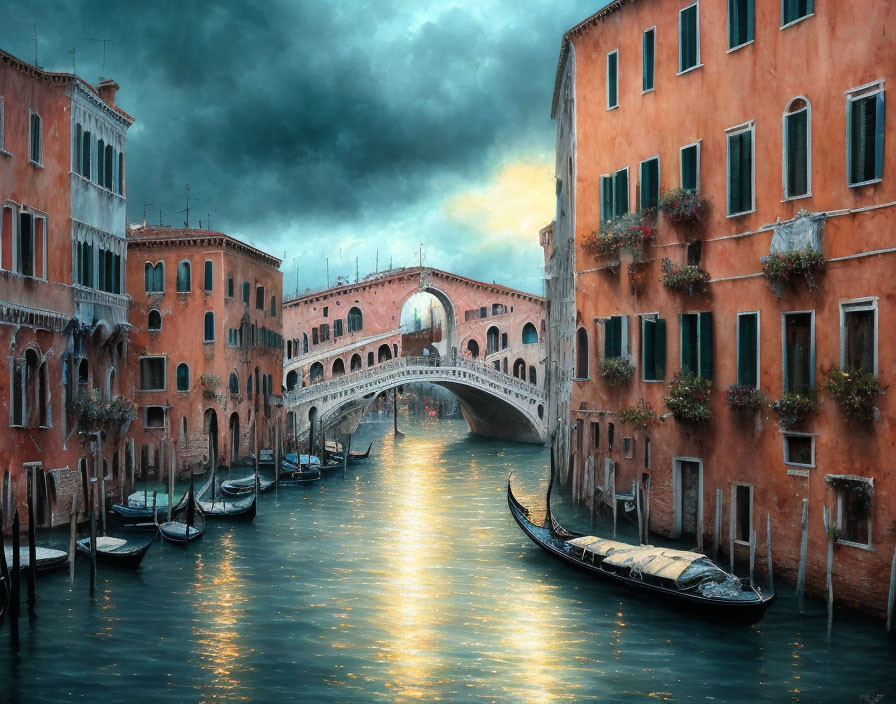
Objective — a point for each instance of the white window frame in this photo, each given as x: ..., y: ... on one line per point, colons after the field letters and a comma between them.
x: 699, y: 359
x: 3, y: 127
x: 39, y: 163
x: 734, y: 516
x: 812, y: 352
x: 658, y: 179
x: 784, y: 116
x: 609, y: 54
x: 796, y: 21
x: 858, y: 304
x: 164, y: 425
x: 733, y: 132
x: 164, y: 373
x: 758, y: 315
x: 600, y: 339
x: 839, y: 494
x: 732, y: 49
x: 853, y: 94
x: 681, y: 163
x: 652, y: 88
x: 654, y: 317
x: 790, y: 434
x: 699, y: 63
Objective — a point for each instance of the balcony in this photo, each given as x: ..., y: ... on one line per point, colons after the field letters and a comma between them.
x: 92, y: 305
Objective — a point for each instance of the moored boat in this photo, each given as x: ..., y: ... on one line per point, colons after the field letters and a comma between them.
x: 352, y: 456
x: 44, y: 558
x: 224, y: 507
x: 245, y: 486
x: 689, y: 579
x: 118, y: 551
x: 188, y: 524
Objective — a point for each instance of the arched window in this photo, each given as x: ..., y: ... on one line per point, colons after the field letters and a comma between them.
x: 110, y: 161
x: 395, y: 350
x: 384, y: 354
x: 209, y: 326
x: 797, y: 148
x: 338, y: 367
x: 100, y: 162
x: 183, y: 277
x: 183, y: 377
x: 292, y: 380
x: 530, y: 334
x: 581, y: 354
x: 491, y: 340
x: 473, y: 348
x: 317, y: 372
x: 355, y: 320
x: 355, y: 363
x: 249, y: 385
x: 76, y: 152
x: 154, y: 277
x: 370, y: 359
x: 532, y: 376
x: 234, y: 383
x: 208, y: 276
x: 519, y: 369
x: 154, y: 321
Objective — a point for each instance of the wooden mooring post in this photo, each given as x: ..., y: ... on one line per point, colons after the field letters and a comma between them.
x: 397, y: 432
x: 804, y: 557
x: 891, y: 595
x: 171, y: 472
x: 31, y: 495
x: 73, y: 534
x: 717, y: 526
x: 14, y: 583
x: 830, y: 566
x: 613, y: 493
x: 91, y: 503
x: 346, y: 448
x: 752, y: 556
x: 768, y: 546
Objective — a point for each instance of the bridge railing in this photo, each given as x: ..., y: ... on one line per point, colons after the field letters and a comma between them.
x: 334, y: 384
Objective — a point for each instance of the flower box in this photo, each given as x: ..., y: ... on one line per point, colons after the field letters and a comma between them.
x: 745, y: 398
x: 640, y: 415
x: 616, y: 370
x: 793, y: 409
x: 783, y: 267
x: 684, y: 278
x: 689, y: 398
x: 93, y: 412
x: 631, y: 231
x: 682, y: 206
x: 855, y: 391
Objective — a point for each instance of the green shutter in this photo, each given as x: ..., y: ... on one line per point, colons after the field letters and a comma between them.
x: 620, y: 192
x: 648, y: 341
x: 660, y: 349
x: 797, y: 156
x: 689, y: 167
x: 879, y: 135
x: 688, y: 39
x: 648, y: 60
x: 611, y: 79
x: 705, y: 334
x: 751, y: 18
x: 606, y: 198
x: 746, y: 170
x: 746, y: 349
x: 740, y: 22
x: 688, y: 354
x: 733, y: 174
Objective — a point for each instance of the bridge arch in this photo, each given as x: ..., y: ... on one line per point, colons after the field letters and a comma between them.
x: 449, y: 334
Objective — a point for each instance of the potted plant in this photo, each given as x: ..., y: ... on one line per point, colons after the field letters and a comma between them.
x: 616, y: 370
x: 745, y: 398
x: 855, y: 391
x: 640, y: 415
x: 783, y: 267
x: 794, y: 408
x: 689, y: 398
x: 683, y: 206
x: 631, y: 231
x: 92, y: 412
x: 685, y: 278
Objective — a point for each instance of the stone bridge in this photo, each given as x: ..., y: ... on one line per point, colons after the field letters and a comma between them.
x: 495, y: 404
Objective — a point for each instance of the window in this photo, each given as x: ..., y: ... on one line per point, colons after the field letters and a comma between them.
x: 324, y: 332
x: 230, y: 285
x: 100, y: 162
x: 370, y: 359
x: 183, y: 277
x: 326, y: 311
x: 794, y: 10
x: 696, y: 344
x: 582, y: 354
x: 25, y: 242
x: 245, y: 292
x: 86, y: 144
x: 688, y: 38
x: 154, y: 321
x: 799, y: 352
x: 209, y: 326
x: 183, y: 377
x: 649, y: 177
x: 315, y: 339
x: 741, y: 16
x: 855, y: 501
x: 748, y: 349
x: 613, y: 79
x: 799, y: 449
x: 530, y: 334
x: 614, y: 195
x: 648, y: 46
x: 595, y: 435
x: 304, y: 343
x: 152, y: 374
x: 742, y: 520
x: 259, y: 297
x: 36, y: 149
x: 492, y: 336
x: 628, y: 447
x: 234, y: 383
x: 2, y: 127
x: 154, y: 277
x: 653, y: 348
x: 865, y: 134
x: 796, y: 149
x: 355, y: 320
x: 337, y: 327
x: 616, y: 336
x: 120, y: 173
x: 503, y: 340
x: 207, y: 283
x: 273, y: 306
x: 249, y: 385
x: 109, y: 161
x: 740, y: 170
x: 76, y: 146
x: 155, y: 417
x: 690, y: 166
x: 858, y: 335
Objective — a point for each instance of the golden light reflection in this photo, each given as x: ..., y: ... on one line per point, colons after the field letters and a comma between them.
x: 219, y: 600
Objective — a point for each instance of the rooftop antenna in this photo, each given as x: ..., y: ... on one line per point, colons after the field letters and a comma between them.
x: 35, y: 45
x: 160, y: 213
x: 421, y: 255
x: 297, y: 281
x: 72, y: 52
x: 144, y: 211
x: 328, y: 272
x: 104, y: 41
x: 356, y: 270
x: 187, y: 209
x: 377, y: 261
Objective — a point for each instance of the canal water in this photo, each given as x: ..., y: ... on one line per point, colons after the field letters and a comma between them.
x: 408, y: 580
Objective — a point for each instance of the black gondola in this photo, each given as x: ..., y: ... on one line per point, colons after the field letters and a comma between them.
x: 300, y: 476
x: 222, y: 507
x: 245, y: 486
x: 689, y: 579
x: 121, y: 552
x: 144, y: 517
x: 337, y: 455
x: 188, y: 524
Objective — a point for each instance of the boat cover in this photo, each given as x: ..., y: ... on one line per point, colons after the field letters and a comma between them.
x: 640, y: 559
x: 137, y: 500
x: 105, y: 542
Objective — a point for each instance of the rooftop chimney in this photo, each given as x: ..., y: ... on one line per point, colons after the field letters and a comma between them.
x: 107, y: 90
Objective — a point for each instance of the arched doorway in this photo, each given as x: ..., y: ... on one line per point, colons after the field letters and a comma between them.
x: 355, y: 364
x: 210, y: 426
x: 530, y: 334
x: 519, y: 369
x: 292, y: 379
x: 473, y: 348
x: 338, y: 367
x: 384, y: 354
x: 427, y: 318
x: 234, y: 437
x: 317, y: 372
x: 492, y: 338
x: 532, y: 375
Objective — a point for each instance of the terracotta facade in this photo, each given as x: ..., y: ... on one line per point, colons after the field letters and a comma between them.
x: 771, y: 183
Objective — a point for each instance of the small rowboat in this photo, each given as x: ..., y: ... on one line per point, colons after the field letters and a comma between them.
x: 687, y: 579
x: 189, y: 523
x: 45, y: 558
x: 230, y: 508
x: 245, y: 486
x: 118, y: 551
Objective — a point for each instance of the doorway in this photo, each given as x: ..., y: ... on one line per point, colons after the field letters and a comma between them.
x: 688, y: 477
x: 211, y: 428
x: 234, y: 437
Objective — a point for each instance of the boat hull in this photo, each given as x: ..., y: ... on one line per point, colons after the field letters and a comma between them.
x: 128, y: 558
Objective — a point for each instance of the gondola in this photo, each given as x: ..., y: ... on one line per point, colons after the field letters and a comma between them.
x: 139, y: 511
x: 352, y: 456
x: 222, y: 507
x: 121, y: 552
x: 5, y: 581
x: 291, y: 459
x: 188, y: 524
x: 300, y: 476
x: 45, y: 558
x: 688, y: 579
x: 245, y: 486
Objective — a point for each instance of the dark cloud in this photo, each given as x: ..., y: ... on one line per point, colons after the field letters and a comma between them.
x: 295, y: 120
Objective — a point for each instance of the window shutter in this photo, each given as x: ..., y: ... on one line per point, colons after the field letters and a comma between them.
x: 648, y: 60
x: 751, y: 12
x: 746, y: 168
x: 689, y: 167
x: 660, y: 349
x: 608, y: 338
x: 879, y: 135
x: 687, y: 323
x: 606, y: 195
x: 733, y: 174
x: 620, y: 195
x: 705, y: 337
x: 623, y: 336
x: 611, y: 79
x: 734, y: 23
x: 746, y: 350
x: 648, y: 340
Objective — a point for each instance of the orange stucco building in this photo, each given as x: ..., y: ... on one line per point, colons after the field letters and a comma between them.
x: 206, y: 359
x: 788, y: 147
x: 63, y: 312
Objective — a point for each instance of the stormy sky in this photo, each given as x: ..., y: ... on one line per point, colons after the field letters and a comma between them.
x: 331, y: 129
